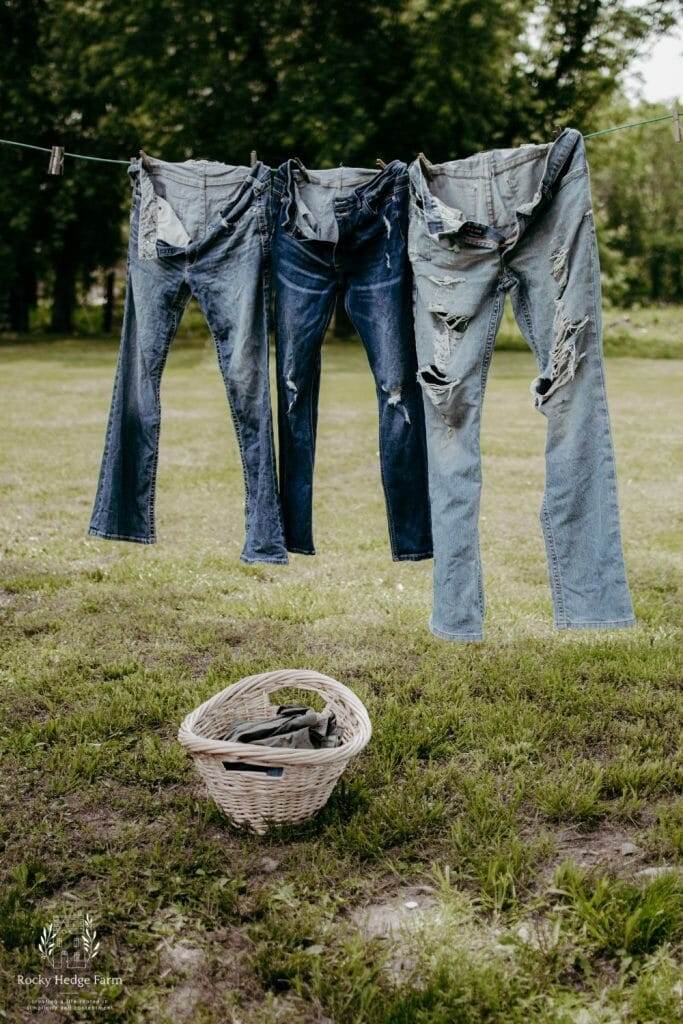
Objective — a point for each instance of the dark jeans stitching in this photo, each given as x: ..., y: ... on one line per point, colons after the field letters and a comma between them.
x: 265, y: 295
x: 554, y: 563
x: 176, y: 314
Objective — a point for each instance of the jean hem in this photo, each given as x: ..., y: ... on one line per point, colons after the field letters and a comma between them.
x: 419, y: 556
x: 300, y: 551
x: 467, y: 638
x: 253, y: 559
x: 598, y: 624
x: 93, y: 532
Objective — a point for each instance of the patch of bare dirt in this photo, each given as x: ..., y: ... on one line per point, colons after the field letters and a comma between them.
x: 204, y: 971
x: 398, y: 919
x: 607, y: 847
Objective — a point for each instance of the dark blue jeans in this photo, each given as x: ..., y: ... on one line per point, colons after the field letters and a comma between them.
x: 197, y: 229
x: 344, y: 230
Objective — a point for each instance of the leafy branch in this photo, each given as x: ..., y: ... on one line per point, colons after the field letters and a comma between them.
x: 91, y: 946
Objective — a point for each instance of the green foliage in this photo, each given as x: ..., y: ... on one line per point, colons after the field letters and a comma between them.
x: 336, y: 82
x: 618, y: 917
x: 637, y: 178
x: 489, y: 766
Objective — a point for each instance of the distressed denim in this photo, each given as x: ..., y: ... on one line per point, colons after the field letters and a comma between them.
x: 517, y: 221
x: 344, y: 230
x: 197, y: 229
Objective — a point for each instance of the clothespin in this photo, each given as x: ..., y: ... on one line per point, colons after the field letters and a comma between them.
x: 144, y: 159
x: 252, y: 158
x: 380, y: 163
x: 557, y: 131
x: 677, y: 124
x: 425, y: 165
x: 56, y: 164
x: 301, y: 168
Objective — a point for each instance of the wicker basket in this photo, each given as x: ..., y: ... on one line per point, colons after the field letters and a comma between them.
x: 254, y: 798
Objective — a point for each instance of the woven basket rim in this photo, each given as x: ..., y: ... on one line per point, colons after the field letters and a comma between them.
x: 199, y: 744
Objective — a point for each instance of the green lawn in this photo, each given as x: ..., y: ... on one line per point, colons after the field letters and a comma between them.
x: 500, y: 787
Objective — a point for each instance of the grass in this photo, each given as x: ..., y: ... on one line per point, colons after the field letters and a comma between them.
x: 502, y: 781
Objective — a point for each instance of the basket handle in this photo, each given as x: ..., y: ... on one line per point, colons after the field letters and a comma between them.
x: 268, y: 682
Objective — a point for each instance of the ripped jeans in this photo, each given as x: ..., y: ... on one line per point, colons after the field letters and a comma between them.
x: 517, y: 221
x: 344, y: 230
x: 197, y: 229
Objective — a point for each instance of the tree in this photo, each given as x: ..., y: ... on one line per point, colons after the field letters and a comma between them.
x: 340, y: 82
x: 638, y: 191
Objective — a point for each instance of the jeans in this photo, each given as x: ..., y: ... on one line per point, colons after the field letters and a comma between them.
x: 197, y: 229
x: 517, y: 221
x: 345, y: 230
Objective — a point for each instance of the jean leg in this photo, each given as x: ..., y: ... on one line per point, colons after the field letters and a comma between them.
x: 156, y: 296
x: 557, y: 306
x: 235, y: 304
x: 458, y: 307
x: 305, y: 290
x: 380, y: 310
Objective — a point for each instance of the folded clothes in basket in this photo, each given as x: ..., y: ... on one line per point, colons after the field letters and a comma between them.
x: 294, y: 726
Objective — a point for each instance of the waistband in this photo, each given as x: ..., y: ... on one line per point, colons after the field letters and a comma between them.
x: 442, y: 221
x: 498, y: 161
x: 200, y: 174
x: 369, y: 186
x: 248, y: 184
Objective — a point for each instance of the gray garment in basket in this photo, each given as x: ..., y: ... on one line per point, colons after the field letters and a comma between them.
x: 294, y: 726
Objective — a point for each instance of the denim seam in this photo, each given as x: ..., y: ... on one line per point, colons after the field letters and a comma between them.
x: 265, y: 296
x: 283, y: 462
x: 107, y: 437
x: 238, y: 434
x: 177, y: 312
x: 417, y: 556
x: 485, y: 363
x: 443, y: 634
x: 595, y: 281
x: 94, y: 532
x: 390, y: 520
x: 250, y: 560
x: 569, y: 178
x: 596, y: 623
x: 554, y: 563
x: 526, y: 312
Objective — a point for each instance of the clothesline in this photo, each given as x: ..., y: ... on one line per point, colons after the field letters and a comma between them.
x: 635, y: 124
x: 76, y: 156
x: 674, y: 115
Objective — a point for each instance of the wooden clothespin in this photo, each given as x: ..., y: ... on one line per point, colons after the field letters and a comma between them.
x: 56, y: 164
x: 380, y: 163
x: 144, y: 159
x: 557, y: 131
x: 677, y: 124
x: 253, y: 160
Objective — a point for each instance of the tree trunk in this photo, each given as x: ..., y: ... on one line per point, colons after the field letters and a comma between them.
x: 21, y: 299
x: 108, y: 309
x: 64, y: 294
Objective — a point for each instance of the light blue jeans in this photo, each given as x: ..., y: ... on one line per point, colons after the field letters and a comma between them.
x: 197, y: 229
x: 517, y: 221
